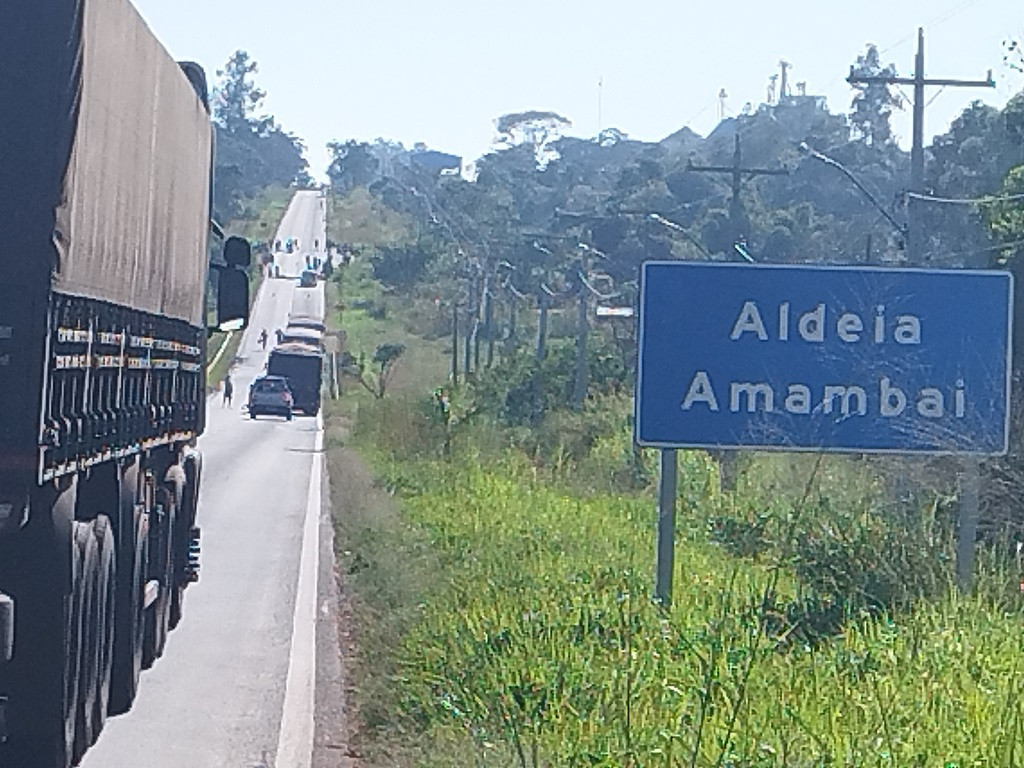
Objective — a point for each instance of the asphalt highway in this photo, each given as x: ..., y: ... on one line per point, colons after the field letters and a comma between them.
x: 235, y: 687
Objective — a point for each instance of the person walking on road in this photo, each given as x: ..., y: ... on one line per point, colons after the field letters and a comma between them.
x: 229, y: 390
x: 263, y: 338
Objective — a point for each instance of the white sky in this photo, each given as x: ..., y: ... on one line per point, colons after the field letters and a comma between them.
x: 441, y: 71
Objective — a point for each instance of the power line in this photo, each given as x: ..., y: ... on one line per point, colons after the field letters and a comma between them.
x: 964, y: 201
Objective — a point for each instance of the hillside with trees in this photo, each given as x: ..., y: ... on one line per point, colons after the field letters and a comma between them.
x: 253, y: 152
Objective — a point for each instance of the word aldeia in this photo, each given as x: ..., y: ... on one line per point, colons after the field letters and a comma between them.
x: 842, y: 400
x: 849, y: 326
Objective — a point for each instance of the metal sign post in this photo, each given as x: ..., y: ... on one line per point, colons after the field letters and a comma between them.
x: 967, y: 522
x: 666, y: 554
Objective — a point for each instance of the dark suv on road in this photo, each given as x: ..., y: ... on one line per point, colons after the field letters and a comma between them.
x: 270, y: 395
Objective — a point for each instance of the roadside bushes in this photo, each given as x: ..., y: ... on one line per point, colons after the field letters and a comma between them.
x: 522, y: 391
x: 850, y: 550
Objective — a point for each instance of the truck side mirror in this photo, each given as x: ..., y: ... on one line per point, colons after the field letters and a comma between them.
x: 232, y: 299
x: 237, y: 252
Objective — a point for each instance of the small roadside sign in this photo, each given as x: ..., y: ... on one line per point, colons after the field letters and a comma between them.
x: 603, y: 312
x: 818, y: 358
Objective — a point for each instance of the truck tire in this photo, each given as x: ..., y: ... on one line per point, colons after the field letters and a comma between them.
x: 44, y: 737
x: 158, y: 615
x: 187, y: 505
x: 130, y: 617
x: 107, y: 609
x: 44, y: 726
x: 88, y: 687
x: 62, y: 750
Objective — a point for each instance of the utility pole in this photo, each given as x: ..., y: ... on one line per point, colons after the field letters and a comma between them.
x: 738, y: 174
x: 513, y: 311
x: 480, y: 308
x: 919, y: 82
x: 455, y: 343
x: 579, y: 389
x: 727, y: 459
x: 467, y: 344
x: 543, y: 304
x: 784, y: 80
x: 969, y: 472
x: 489, y: 324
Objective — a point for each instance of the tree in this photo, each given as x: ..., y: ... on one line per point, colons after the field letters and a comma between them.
x: 609, y: 137
x: 237, y: 99
x: 1013, y: 55
x: 253, y: 152
x: 384, y: 361
x: 1013, y: 117
x: 353, y: 164
x: 1006, y: 217
x: 874, y: 102
x: 534, y: 128
x: 401, y: 266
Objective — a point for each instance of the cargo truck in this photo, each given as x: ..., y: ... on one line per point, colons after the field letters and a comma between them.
x: 107, y: 294
x: 302, y: 365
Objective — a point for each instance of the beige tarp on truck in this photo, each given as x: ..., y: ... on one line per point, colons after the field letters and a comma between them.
x: 134, y: 221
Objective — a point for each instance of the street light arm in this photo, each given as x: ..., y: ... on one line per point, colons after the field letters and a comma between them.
x: 593, y: 250
x: 900, y: 228
x: 515, y: 291
x: 677, y: 228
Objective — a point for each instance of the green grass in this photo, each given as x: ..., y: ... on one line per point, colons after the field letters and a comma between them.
x: 263, y: 215
x: 215, y: 375
x: 359, y: 219
x: 535, y: 642
x: 423, y: 361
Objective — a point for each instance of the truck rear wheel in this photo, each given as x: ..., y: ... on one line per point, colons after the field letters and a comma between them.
x: 187, y: 505
x: 88, y: 671
x: 129, y: 617
x: 44, y: 716
x: 106, y: 613
x: 158, y: 615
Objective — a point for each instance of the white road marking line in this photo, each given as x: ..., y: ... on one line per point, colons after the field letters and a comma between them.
x: 295, y: 744
x: 220, y: 352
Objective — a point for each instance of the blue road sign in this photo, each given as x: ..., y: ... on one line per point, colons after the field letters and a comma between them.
x: 809, y: 358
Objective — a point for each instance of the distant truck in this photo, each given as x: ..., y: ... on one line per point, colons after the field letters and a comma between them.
x: 302, y: 365
x: 305, y: 336
x: 109, y: 288
x: 312, y: 322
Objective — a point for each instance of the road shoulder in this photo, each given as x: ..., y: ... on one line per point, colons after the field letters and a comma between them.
x: 335, y: 640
